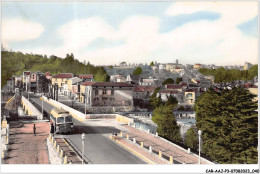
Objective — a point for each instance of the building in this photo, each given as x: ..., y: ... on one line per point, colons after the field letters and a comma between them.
x: 165, y: 94
x: 38, y: 82
x: 26, y: 79
x: 48, y: 75
x: 174, y: 67
x: 73, y: 86
x: 117, y: 78
x: 162, y: 67
x: 10, y: 84
x: 247, y: 66
x: 60, y: 80
x: 143, y: 92
x: 148, y: 81
x: 189, y: 97
x: 197, y: 66
x: 86, y: 77
x: 108, y: 94
x: 133, y: 79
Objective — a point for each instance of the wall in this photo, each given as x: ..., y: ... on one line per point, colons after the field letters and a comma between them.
x: 32, y: 110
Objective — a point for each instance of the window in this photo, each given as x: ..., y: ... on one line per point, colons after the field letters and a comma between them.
x: 104, y: 92
x: 112, y: 92
x: 96, y: 92
x: 68, y: 119
x: 108, y: 92
x: 60, y: 120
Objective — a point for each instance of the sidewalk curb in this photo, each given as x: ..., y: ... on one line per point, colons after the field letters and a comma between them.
x: 134, y: 152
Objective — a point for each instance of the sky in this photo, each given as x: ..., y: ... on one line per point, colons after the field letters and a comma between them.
x: 107, y: 33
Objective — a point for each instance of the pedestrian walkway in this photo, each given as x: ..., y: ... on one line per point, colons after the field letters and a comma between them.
x: 25, y: 148
x: 168, y: 149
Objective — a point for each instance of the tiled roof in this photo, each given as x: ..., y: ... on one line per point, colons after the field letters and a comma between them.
x: 63, y: 75
x: 48, y: 74
x: 173, y: 86
x: 27, y: 73
x: 144, y: 88
x: 250, y: 85
x: 87, y: 83
x: 86, y: 76
x: 114, y: 84
x: 169, y: 92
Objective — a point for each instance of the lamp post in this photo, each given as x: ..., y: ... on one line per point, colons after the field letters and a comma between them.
x: 85, y: 105
x: 42, y: 109
x: 199, y: 132
x: 83, y: 138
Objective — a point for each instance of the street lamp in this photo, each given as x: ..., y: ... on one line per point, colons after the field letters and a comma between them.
x: 85, y: 105
x: 42, y: 109
x: 83, y: 138
x: 199, y: 132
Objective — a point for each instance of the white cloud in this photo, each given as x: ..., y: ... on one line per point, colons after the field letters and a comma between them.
x: 218, y: 41
x: 17, y: 30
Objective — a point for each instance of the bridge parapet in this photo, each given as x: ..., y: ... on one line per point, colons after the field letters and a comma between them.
x: 30, y: 109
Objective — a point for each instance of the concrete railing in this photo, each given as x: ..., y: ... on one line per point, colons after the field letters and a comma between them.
x: 175, y: 145
x: 76, y: 114
x: 57, y: 151
x: 30, y: 108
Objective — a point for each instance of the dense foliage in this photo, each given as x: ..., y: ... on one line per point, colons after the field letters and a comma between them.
x: 229, y: 124
x: 191, y: 139
x: 178, y: 80
x: 137, y: 71
x: 166, y: 122
x: 168, y: 81
x: 152, y: 64
x: 14, y: 63
x: 223, y: 75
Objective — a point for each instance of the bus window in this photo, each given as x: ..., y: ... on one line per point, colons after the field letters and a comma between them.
x: 68, y: 119
x: 60, y: 120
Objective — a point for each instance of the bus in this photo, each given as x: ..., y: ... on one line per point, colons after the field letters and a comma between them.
x: 61, y: 120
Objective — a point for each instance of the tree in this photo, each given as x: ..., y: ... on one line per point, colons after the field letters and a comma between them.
x: 178, y: 80
x: 168, y: 81
x: 154, y: 100
x: 152, y: 64
x: 171, y: 102
x: 166, y: 122
x: 181, y: 108
x: 191, y: 139
x: 228, y: 121
x: 137, y: 71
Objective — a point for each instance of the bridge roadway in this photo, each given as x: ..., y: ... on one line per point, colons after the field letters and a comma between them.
x: 99, y: 149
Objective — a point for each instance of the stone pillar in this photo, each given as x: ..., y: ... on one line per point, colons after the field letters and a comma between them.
x: 148, y: 131
x: 55, y: 143
x: 65, y: 160
x: 188, y: 150
x: 52, y: 139
x: 127, y: 136
x: 150, y: 149
x: 140, y: 128
x: 156, y: 135
x: 134, y: 141
x: 128, y: 123
x: 121, y: 134
x: 58, y: 148
x: 134, y: 125
x: 61, y: 153
x: 142, y: 144
x: 160, y: 154
x: 171, y: 160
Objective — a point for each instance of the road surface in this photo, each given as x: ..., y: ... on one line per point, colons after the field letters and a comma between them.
x: 99, y: 149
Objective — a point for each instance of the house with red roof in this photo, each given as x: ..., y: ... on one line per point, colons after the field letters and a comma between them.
x: 86, y: 77
x: 143, y: 92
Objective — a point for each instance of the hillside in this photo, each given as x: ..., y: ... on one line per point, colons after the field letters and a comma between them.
x: 14, y: 63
